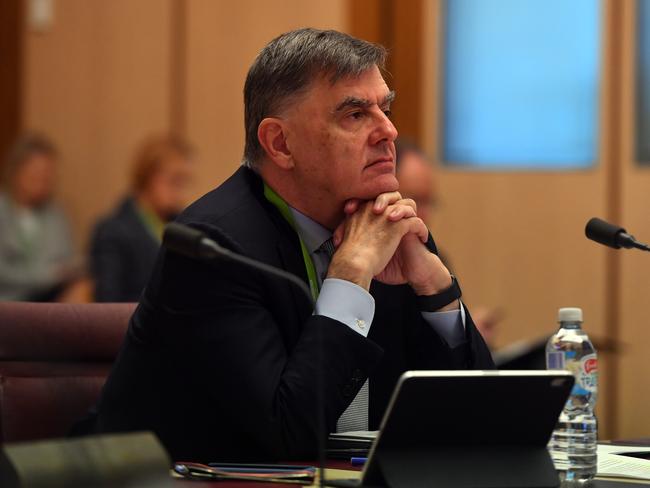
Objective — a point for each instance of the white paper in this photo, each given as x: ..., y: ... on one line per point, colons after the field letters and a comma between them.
x: 355, y: 434
x: 612, y: 464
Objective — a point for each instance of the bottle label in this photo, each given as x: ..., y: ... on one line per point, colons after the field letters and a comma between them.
x: 585, y: 372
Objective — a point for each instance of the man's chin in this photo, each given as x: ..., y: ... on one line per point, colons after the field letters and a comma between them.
x: 383, y: 184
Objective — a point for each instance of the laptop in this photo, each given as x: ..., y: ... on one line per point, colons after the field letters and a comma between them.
x: 468, y: 429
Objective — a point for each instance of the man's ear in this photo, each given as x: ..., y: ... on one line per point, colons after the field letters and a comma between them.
x: 272, y: 137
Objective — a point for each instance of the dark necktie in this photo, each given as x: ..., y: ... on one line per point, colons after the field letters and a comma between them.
x: 324, y: 252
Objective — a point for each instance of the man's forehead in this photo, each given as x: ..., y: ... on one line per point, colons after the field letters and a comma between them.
x: 368, y: 85
x: 368, y: 88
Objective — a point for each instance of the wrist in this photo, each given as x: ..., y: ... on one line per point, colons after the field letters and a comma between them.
x: 350, y: 269
x: 432, y: 286
x: 442, y: 301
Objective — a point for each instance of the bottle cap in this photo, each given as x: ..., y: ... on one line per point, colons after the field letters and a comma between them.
x: 569, y: 314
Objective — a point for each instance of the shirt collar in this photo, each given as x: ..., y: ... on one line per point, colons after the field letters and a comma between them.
x: 311, y: 232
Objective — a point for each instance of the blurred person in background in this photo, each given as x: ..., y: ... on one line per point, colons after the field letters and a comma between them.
x: 418, y: 181
x: 37, y: 261
x: 125, y: 243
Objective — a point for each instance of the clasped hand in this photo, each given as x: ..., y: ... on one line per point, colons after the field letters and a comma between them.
x: 385, y: 239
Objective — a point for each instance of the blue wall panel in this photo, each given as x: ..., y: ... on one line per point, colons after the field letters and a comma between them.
x: 521, y: 83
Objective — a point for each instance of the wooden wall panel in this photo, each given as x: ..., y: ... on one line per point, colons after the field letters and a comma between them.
x: 11, y: 21
x: 634, y: 318
x: 97, y: 82
x: 370, y: 20
x: 513, y: 222
x: 399, y: 27
x: 223, y: 40
x: 106, y: 74
x: 516, y: 239
x: 634, y: 321
x: 406, y: 65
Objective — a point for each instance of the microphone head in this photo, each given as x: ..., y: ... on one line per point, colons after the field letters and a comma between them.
x: 604, y: 233
x: 183, y: 239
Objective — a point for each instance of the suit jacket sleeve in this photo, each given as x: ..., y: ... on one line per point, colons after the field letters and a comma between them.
x: 473, y: 354
x: 225, y: 323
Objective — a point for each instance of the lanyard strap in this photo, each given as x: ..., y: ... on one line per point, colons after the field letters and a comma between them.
x: 154, y: 225
x: 282, y: 206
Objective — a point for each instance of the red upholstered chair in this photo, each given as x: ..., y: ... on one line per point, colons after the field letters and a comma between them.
x: 54, y: 359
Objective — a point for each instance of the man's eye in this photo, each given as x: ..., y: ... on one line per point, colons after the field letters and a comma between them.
x: 388, y: 113
x: 357, y: 115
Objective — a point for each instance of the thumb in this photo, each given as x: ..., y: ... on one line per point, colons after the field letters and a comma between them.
x: 337, y: 237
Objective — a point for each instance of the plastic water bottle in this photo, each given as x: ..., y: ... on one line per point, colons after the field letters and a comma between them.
x: 573, y: 443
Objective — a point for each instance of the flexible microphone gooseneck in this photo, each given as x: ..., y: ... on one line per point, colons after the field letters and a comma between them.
x: 612, y: 235
x: 193, y: 243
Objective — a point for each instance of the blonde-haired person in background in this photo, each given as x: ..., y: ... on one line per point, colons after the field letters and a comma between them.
x: 125, y: 243
x: 37, y: 261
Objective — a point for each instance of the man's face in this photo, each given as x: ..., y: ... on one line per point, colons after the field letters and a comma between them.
x: 341, y: 139
x: 34, y: 180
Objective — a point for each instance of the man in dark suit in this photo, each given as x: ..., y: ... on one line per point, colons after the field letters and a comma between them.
x: 221, y: 361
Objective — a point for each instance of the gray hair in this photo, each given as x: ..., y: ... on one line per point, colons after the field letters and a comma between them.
x: 23, y: 148
x: 288, y: 64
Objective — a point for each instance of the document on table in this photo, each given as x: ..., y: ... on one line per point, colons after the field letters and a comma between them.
x: 361, y: 435
x: 613, y: 464
x: 344, y: 445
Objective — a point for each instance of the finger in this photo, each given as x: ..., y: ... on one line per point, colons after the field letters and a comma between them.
x: 384, y: 200
x: 337, y: 237
x: 398, y: 212
x: 351, y: 206
x: 410, y: 202
x: 419, y: 228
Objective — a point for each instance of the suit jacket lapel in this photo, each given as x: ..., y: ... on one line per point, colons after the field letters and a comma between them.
x: 289, y: 251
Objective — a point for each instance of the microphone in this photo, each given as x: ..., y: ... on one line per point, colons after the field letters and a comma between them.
x: 190, y: 242
x: 193, y: 243
x: 612, y: 235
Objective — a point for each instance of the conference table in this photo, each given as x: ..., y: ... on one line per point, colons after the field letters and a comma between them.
x: 343, y: 469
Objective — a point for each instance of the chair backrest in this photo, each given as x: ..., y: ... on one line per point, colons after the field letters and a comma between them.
x: 54, y: 359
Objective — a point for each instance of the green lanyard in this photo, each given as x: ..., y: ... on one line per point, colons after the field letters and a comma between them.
x: 282, y: 206
x: 154, y: 225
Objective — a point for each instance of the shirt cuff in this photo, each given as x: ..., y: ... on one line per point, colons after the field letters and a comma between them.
x: 449, y: 325
x: 346, y: 302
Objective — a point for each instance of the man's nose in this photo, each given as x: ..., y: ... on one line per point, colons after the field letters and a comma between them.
x: 385, y: 130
